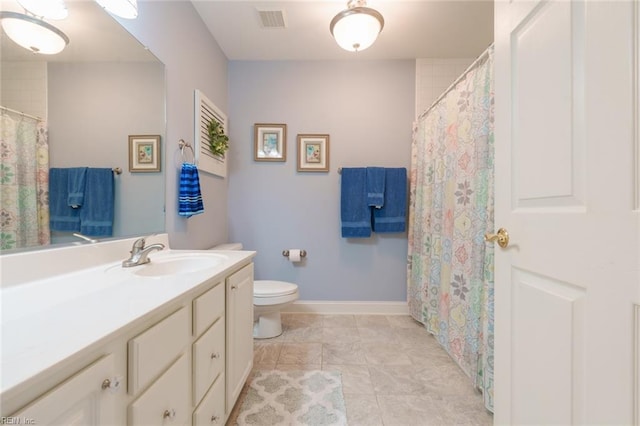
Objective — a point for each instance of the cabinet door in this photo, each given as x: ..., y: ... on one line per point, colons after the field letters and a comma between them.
x: 167, y: 401
x: 208, y: 359
x: 239, y: 332
x: 211, y: 410
x: 87, y: 398
x: 151, y: 352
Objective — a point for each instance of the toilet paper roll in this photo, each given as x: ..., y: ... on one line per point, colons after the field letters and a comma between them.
x: 294, y: 255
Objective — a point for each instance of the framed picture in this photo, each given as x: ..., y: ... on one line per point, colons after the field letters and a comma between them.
x: 313, y: 153
x: 270, y: 142
x: 144, y: 153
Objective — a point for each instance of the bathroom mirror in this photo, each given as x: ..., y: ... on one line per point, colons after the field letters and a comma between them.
x: 102, y: 88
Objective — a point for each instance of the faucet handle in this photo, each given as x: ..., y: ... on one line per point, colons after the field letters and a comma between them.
x: 138, y: 245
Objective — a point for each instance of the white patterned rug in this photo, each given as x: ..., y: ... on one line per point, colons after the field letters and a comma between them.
x: 312, y: 398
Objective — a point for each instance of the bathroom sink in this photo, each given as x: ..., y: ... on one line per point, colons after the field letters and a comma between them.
x: 177, y: 264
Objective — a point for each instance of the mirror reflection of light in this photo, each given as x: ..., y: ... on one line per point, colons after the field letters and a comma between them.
x: 127, y: 9
x: 49, y: 9
x: 33, y: 34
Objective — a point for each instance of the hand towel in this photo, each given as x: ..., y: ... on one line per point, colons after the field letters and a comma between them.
x: 354, y: 211
x: 189, y: 197
x: 375, y: 186
x: 61, y: 216
x: 96, y: 213
x: 392, y: 216
x: 76, y: 185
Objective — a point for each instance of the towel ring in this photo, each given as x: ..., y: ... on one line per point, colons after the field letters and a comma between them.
x: 182, y: 144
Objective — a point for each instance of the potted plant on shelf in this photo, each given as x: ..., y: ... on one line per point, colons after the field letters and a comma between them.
x: 218, y: 141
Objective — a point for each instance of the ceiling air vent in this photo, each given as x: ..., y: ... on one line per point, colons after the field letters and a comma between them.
x: 272, y: 18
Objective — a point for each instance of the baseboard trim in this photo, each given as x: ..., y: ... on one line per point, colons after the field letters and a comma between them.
x: 329, y: 307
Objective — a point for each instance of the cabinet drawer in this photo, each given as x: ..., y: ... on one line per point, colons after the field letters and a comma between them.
x: 208, y: 308
x: 211, y: 411
x: 166, y: 402
x: 81, y: 399
x: 208, y: 359
x: 152, y: 351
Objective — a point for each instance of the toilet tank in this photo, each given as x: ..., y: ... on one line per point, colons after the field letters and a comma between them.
x: 228, y: 246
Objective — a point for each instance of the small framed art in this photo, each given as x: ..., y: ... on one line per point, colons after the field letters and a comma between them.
x: 313, y: 153
x: 144, y: 153
x: 270, y: 142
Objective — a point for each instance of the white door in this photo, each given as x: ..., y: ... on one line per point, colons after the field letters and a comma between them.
x: 567, y: 298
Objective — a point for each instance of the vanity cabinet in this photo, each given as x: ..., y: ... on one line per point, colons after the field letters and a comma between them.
x: 239, y: 332
x: 184, y: 362
x: 86, y: 398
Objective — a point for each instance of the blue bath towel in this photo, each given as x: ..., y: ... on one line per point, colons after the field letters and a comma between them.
x: 392, y: 216
x: 61, y: 216
x: 354, y: 211
x: 375, y: 186
x: 189, y: 197
x: 96, y: 214
x: 76, y: 184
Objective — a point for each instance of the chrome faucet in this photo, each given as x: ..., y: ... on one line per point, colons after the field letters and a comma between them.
x: 140, y: 253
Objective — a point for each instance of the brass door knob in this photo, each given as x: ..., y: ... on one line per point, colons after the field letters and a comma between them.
x: 502, y: 237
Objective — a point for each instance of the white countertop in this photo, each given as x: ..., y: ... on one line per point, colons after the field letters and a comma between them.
x: 45, y: 321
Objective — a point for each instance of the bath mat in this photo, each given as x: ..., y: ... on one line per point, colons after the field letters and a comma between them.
x: 275, y: 397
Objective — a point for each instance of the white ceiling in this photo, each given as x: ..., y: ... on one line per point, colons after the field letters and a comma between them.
x: 413, y: 29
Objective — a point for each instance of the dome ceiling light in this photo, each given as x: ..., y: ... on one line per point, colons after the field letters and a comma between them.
x: 33, y: 34
x: 357, y: 27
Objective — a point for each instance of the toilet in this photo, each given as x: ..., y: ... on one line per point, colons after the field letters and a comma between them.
x: 269, y: 298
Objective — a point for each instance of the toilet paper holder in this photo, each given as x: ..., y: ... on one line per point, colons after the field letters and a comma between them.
x: 303, y: 253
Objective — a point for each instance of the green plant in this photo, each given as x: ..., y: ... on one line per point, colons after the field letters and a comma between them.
x: 218, y: 141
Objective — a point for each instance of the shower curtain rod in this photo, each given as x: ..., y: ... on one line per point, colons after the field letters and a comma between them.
x: 4, y: 108
x: 474, y: 64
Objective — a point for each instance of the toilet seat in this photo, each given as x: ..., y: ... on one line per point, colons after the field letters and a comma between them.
x: 271, y: 293
x: 273, y: 288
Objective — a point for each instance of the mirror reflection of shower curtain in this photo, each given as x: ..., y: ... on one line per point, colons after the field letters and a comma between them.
x: 450, y: 270
x: 24, y: 181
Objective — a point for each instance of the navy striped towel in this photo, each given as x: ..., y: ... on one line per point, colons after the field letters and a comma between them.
x: 189, y: 197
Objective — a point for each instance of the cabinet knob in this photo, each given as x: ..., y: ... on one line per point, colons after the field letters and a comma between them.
x: 233, y: 287
x: 214, y: 419
x: 112, y: 383
x: 215, y: 355
x: 169, y: 414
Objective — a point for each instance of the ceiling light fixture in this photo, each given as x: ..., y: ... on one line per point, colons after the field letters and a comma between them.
x: 127, y: 9
x: 49, y: 9
x: 33, y: 34
x: 356, y: 27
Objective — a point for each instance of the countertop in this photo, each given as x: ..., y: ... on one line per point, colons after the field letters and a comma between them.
x: 46, y: 321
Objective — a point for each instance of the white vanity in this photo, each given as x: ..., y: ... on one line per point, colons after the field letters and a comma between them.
x: 87, y: 342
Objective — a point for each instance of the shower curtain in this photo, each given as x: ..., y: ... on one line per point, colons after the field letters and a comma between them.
x: 24, y: 181
x: 450, y: 267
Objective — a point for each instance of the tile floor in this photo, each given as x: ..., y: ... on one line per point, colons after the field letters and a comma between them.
x: 393, y: 371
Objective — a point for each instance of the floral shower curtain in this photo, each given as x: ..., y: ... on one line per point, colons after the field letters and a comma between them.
x: 24, y: 182
x: 450, y: 269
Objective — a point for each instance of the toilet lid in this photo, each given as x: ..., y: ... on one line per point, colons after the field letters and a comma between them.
x: 273, y: 288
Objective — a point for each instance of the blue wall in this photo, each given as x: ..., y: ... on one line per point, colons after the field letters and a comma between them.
x: 367, y: 108
x: 175, y: 33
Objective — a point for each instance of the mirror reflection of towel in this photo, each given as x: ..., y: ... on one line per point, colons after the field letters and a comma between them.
x: 62, y: 217
x: 76, y: 186
x: 96, y: 214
